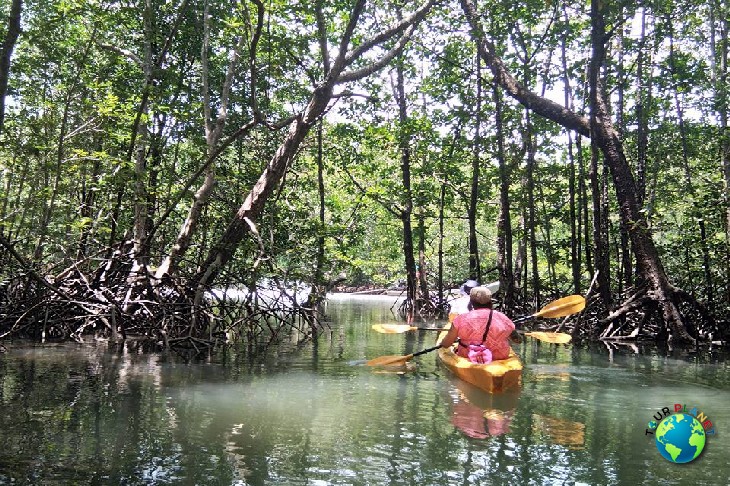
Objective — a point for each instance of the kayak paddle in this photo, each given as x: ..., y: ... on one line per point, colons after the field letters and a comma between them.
x: 548, y: 337
x: 559, y: 308
x: 398, y: 360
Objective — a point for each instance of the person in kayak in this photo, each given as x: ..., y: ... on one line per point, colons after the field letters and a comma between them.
x: 481, y: 328
x: 460, y: 305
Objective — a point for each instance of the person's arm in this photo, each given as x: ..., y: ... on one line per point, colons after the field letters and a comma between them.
x: 450, y: 338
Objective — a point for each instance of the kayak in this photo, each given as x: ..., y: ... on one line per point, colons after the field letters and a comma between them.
x: 494, y: 377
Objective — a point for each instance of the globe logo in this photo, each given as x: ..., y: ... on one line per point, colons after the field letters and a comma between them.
x: 680, y: 438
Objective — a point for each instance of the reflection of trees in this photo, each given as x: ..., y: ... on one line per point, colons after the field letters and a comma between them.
x: 90, y: 417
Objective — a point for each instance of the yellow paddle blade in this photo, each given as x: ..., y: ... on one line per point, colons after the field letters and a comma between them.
x: 563, y: 307
x: 389, y: 360
x: 550, y: 337
x: 393, y: 328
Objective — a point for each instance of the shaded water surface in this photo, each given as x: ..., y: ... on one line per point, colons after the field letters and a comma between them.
x: 314, y: 414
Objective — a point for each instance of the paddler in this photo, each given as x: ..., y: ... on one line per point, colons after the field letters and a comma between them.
x: 481, y: 329
x: 460, y: 305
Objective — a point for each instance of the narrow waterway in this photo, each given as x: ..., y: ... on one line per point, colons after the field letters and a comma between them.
x: 313, y: 413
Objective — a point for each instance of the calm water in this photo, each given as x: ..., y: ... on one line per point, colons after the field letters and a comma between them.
x: 313, y: 414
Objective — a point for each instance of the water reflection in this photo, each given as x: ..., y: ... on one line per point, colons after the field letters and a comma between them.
x: 479, y: 414
x: 302, y: 414
x: 563, y: 432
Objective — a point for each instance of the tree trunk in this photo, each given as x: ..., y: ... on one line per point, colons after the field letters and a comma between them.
x: 422, y: 273
x: 625, y: 273
x: 504, y: 221
x: 407, y: 201
x: 583, y: 206
x: 6, y: 53
x: 607, y: 139
x: 643, y: 102
x: 719, y: 58
x: 531, y: 220
x: 139, y: 147
x: 474, y: 266
x: 442, y: 204
x: 319, y: 289
x: 440, y: 250
x: 572, y: 192
x: 600, y: 225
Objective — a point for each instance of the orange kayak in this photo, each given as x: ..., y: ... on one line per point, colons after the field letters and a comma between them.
x: 494, y: 377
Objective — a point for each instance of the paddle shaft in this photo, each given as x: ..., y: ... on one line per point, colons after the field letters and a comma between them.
x: 427, y: 350
x: 522, y: 319
x: 520, y: 331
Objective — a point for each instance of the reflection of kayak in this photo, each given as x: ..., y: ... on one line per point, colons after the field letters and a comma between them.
x: 495, y: 377
x: 479, y: 414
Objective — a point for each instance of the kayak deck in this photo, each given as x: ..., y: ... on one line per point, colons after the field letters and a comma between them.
x: 494, y: 377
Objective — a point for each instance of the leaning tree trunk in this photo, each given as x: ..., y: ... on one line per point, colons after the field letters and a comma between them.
x: 244, y: 221
x: 606, y: 137
x: 6, y: 52
x: 649, y: 264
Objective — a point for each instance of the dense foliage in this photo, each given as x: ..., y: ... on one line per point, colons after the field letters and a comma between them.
x: 127, y: 120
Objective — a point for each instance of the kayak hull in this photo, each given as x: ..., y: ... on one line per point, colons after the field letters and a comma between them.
x: 495, y: 377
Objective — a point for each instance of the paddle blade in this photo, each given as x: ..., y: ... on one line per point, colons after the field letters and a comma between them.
x: 550, y: 337
x: 390, y: 360
x: 563, y: 307
x: 393, y: 328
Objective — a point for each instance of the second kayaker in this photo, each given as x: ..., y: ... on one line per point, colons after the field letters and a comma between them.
x: 460, y: 305
x: 481, y: 330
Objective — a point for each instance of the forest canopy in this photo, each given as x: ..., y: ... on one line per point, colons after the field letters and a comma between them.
x: 154, y: 151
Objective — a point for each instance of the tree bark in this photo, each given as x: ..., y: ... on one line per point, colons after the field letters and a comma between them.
x: 719, y: 59
x: 504, y: 221
x: 407, y: 201
x: 572, y: 191
x: 6, y: 53
x: 474, y: 267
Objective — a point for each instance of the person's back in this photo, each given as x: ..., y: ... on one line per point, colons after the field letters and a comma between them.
x: 470, y: 329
